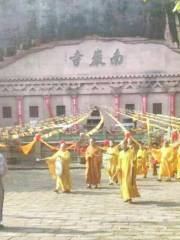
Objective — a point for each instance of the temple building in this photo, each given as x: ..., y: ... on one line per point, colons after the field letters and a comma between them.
x: 64, y: 57
x: 69, y: 77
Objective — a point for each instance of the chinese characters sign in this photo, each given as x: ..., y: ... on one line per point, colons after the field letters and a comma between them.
x: 97, y: 58
x: 76, y: 58
x: 117, y: 58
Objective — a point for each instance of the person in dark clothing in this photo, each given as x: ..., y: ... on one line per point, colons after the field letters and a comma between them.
x: 3, y: 171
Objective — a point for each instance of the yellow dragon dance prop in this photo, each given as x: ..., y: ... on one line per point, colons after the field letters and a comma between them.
x: 122, y: 127
x: 38, y: 138
x: 96, y: 129
x: 2, y: 145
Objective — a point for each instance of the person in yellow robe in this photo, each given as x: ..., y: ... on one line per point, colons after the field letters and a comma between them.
x: 167, y: 157
x: 142, y: 161
x: 105, y: 156
x: 112, y: 158
x: 178, y: 163
x: 81, y: 146
x: 155, y: 157
x: 93, y: 158
x: 175, y: 159
x: 127, y: 173
x: 63, y: 182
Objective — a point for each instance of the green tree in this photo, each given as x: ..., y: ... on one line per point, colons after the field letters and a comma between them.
x: 175, y: 2
x: 172, y: 11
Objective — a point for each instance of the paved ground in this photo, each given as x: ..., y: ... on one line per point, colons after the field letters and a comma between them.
x: 32, y: 211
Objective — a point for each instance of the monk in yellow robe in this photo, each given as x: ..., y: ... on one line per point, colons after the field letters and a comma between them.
x: 93, y: 158
x: 142, y: 160
x: 175, y: 159
x: 178, y: 163
x: 127, y: 170
x: 63, y: 182
x: 167, y: 157
x: 112, y: 156
x: 155, y: 158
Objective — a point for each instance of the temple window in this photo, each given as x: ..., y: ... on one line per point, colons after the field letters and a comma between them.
x: 130, y: 107
x: 60, y: 110
x: 7, y: 112
x: 157, y: 108
x: 33, y: 111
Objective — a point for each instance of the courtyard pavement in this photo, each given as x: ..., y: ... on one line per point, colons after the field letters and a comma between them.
x: 32, y: 211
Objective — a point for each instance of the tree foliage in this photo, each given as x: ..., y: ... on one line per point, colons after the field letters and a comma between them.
x: 165, y: 2
x: 26, y: 23
x: 172, y: 10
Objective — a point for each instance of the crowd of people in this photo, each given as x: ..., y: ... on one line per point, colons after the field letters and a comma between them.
x: 122, y: 163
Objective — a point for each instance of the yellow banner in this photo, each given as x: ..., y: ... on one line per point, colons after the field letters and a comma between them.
x: 96, y: 129
x: 28, y: 147
x: 2, y: 145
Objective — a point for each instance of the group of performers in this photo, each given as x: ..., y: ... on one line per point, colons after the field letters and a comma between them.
x: 122, y: 163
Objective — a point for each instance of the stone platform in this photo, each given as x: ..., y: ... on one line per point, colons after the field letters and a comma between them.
x: 33, y: 211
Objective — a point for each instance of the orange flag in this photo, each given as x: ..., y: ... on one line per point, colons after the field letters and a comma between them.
x: 2, y: 145
x: 28, y: 147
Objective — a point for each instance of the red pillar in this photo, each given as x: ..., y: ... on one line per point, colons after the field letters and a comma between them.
x: 47, y: 100
x: 20, y: 112
x: 172, y: 105
x: 144, y: 104
x: 74, y: 100
x: 117, y: 105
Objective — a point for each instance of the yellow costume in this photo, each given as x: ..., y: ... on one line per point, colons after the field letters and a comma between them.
x: 175, y: 160
x: 142, y: 160
x: 127, y: 169
x: 93, y: 165
x: 167, y: 155
x: 155, y: 159
x: 156, y: 155
x: 112, y: 154
x: 63, y: 182
x: 178, y: 163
